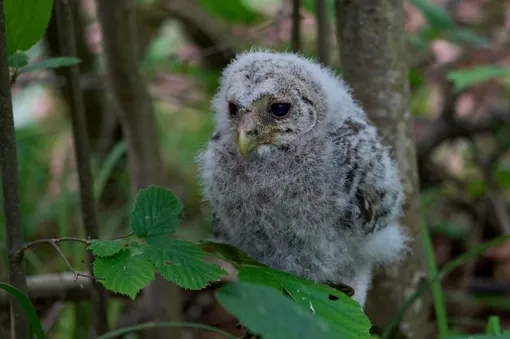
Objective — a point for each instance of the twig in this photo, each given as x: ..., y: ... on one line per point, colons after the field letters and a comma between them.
x: 10, y: 190
x: 66, y: 30
x: 68, y: 264
x: 123, y: 236
x: 55, y: 241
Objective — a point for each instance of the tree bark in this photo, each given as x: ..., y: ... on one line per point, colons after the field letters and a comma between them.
x: 65, y: 16
x: 373, y: 62
x: 118, y: 20
x: 10, y: 190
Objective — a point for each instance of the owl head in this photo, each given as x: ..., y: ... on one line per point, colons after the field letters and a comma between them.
x: 272, y: 99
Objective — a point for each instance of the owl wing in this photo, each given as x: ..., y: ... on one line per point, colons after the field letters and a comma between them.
x: 368, y: 177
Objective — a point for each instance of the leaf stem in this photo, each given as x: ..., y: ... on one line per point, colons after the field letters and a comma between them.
x: 123, y: 236
x: 115, y: 333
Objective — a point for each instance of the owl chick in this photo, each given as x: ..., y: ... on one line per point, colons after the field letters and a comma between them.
x: 297, y: 177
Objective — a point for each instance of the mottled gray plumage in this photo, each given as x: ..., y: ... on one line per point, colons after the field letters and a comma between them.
x: 317, y: 195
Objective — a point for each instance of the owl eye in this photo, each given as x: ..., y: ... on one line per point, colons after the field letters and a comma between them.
x: 280, y: 110
x: 232, y: 108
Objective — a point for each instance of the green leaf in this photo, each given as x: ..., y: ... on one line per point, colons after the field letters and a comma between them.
x: 467, y: 36
x: 234, y: 255
x: 25, y: 22
x: 183, y: 263
x: 234, y: 12
x: 27, y: 307
x: 50, y: 63
x: 474, y: 336
x: 436, y: 16
x: 493, y: 325
x: 468, y: 77
x: 335, y: 307
x: 156, y: 214
x: 268, y: 313
x: 18, y: 59
x: 105, y: 248
x: 126, y: 272
x: 449, y: 229
x: 502, y: 176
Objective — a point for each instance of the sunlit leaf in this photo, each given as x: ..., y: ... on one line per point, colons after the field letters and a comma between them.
x: 493, y: 325
x: 468, y: 77
x: 335, y: 307
x: 467, y: 36
x: 50, y: 63
x: 27, y: 306
x: 126, y: 272
x: 267, y: 312
x: 25, y: 22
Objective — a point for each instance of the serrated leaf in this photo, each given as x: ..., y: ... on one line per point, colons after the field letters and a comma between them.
x: 105, y: 248
x: 156, y: 214
x: 335, y: 307
x: 126, y: 272
x: 231, y: 253
x: 235, y: 12
x: 50, y: 63
x: 266, y: 312
x: 468, y: 77
x: 25, y: 22
x: 28, y: 308
x: 18, y: 59
x: 183, y: 263
x: 436, y: 16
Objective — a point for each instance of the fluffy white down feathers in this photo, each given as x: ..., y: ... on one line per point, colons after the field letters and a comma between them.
x: 319, y: 195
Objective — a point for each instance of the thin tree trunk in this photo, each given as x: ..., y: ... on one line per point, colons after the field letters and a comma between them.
x: 134, y: 105
x: 10, y: 191
x: 295, y: 38
x: 373, y: 62
x: 323, y: 36
x: 65, y: 20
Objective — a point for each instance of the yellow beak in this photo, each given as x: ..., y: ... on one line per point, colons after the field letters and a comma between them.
x: 245, y: 144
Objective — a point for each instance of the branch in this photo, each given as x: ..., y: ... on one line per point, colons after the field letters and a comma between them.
x: 52, y: 287
x: 10, y: 190
x: 441, y: 129
x: 215, y: 39
x: 65, y: 24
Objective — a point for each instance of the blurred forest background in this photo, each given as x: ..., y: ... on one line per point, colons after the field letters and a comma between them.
x: 461, y: 131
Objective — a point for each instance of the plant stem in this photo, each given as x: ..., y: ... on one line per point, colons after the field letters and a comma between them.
x: 114, y: 334
x: 295, y: 39
x: 20, y: 328
x: 65, y: 17
x: 437, y: 293
x: 451, y: 266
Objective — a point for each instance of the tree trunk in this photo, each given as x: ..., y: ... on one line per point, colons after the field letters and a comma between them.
x: 161, y: 299
x: 373, y: 62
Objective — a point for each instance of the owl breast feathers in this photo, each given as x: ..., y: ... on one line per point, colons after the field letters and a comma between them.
x: 296, y: 175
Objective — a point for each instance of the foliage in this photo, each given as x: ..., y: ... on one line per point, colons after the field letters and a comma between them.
x: 128, y: 267
x: 25, y: 27
x: 468, y: 77
x: 27, y: 307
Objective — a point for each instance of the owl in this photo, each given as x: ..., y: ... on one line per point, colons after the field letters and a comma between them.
x: 296, y: 176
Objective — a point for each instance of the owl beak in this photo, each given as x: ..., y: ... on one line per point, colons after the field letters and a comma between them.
x: 245, y: 143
